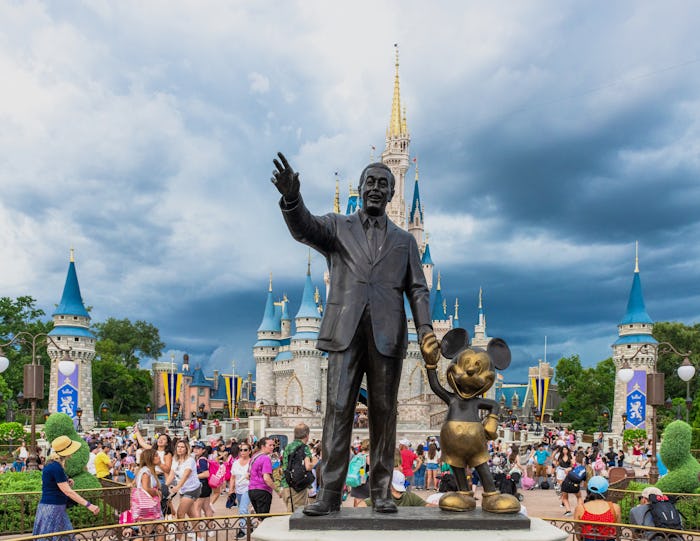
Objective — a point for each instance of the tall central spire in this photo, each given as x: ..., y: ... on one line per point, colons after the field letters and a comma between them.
x: 397, y: 124
x: 395, y: 155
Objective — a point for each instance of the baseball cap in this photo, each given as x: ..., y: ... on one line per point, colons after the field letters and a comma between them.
x: 398, y: 481
x: 648, y: 491
x: 405, y: 442
x: 598, y: 485
x: 199, y: 445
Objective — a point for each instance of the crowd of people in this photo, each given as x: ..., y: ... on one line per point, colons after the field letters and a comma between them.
x: 250, y: 473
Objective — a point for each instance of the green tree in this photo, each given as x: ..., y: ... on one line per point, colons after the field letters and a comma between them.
x: 22, y: 315
x: 684, y: 338
x: 126, y: 390
x: 585, y: 392
x: 127, y: 343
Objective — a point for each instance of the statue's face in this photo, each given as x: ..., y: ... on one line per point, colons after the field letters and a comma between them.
x: 376, y: 191
x: 470, y: 373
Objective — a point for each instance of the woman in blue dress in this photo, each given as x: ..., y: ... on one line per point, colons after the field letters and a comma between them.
x: 56, y: 488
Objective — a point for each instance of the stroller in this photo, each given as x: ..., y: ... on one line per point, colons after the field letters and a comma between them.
x: 507, y: 483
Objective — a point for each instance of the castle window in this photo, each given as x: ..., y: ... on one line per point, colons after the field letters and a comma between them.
x: 76, y: 339
x: 201, y: 392
x: 75, y: 318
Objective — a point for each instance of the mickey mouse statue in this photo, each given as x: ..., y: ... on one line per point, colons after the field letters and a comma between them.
x: 464, y: 434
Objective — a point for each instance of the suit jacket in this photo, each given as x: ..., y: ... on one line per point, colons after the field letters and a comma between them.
x: 358, y: 281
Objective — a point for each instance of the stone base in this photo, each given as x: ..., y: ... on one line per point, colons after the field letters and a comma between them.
x: 408, y: 519
x: 278, y: 529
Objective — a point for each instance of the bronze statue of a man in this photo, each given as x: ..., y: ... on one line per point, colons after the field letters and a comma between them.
x: 372, y: 263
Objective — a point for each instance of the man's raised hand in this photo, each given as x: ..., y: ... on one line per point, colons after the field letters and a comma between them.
x: 285, y: 179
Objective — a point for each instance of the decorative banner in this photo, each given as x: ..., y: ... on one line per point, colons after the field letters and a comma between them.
x: 171, y: 387
x: 67, y: 401
x: 636, y: 401
x: 233, y: 393
x: 540, y: 389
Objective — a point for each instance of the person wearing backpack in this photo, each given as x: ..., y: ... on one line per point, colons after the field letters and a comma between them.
x: 655, y: 509
x: 359, y: 492
x: 297, y: 463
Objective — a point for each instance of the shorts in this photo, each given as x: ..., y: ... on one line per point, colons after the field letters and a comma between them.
x: 541, y: 470
x: 206, y: 489
x: 561, y: 474
x: 432, y: 466
x: 192, y: 494
x: 570, y: 487
x: 261, y: 500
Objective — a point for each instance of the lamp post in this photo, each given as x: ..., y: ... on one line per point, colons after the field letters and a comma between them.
x: 605, y: 412
x: 148, y: 411
x: 104, y: 412
x: 686, y: 371
x: 33, y: 382
x: 79, y: 413
x: 655, y: 389
x: 624, y: 423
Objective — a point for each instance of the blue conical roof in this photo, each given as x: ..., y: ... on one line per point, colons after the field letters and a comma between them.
x: 71, y: 301
x: 416, y: 206
x: 636, y: 310
x: 426, y: 259
x: 308, y: 306
x: 268, y: 320
x: 285, y: 310
x: 438, y: 307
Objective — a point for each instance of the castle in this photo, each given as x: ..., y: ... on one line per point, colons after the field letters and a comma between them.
x: 290, y: 371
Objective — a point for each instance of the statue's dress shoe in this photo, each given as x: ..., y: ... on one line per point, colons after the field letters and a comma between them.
x: 320, y: 508
x: 458, y: 501
x: 384, y: 505
x: 495, y: 502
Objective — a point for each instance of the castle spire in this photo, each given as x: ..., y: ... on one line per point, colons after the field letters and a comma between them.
x: 269, y: 288
x: 439, y: 310
x: 308, y: 308
x: 397, y: 123
x: 636, y: 308
x: 71, y: 301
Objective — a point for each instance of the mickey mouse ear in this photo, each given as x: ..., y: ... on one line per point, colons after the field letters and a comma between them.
x: 499, y: 352
x: 453, y: 341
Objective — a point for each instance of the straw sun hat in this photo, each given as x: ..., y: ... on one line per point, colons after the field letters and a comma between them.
x: 64, y: 446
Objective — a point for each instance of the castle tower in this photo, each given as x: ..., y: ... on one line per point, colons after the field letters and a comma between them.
x: 72, y: 330
x: 480, y: 339
x: 441, y: 321
x: 455, y: 320
x: 303, y: 385
x: 637, y: 346
x: 265, y: 350
x: 395, y: 154
x: 286, y: 320
x: 427, y: 264
x: 415, y: 217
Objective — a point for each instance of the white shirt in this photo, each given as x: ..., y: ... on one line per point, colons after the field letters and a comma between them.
x: 91, y: 464
x: 240, y: 474
x: 192, y: 482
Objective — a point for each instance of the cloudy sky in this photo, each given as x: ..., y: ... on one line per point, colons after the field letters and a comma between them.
x: 550, y: 136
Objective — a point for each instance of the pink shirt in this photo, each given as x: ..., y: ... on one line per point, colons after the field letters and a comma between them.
x: 259, y: 466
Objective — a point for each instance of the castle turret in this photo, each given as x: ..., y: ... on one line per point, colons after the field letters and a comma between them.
x: 427, y: 264
x: 480, y: 339
x: 415, y: 217
x: 72, y: 330
x: 441, y: 321
x: 636, y: 347
x: 395, y: 154
x: 265, y: 350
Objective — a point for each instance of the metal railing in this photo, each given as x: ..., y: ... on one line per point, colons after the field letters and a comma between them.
x: 687, y: 504
x: 623, y: 532
x: 221, y: 528
x: 18, y: 509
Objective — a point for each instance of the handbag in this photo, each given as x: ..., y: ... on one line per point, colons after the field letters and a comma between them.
x: 143, y: 505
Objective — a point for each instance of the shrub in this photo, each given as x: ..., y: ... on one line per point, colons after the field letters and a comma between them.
x: 11, y: 433
x: 60, y: 424
x: 633, y: 435
x: 683, y: 469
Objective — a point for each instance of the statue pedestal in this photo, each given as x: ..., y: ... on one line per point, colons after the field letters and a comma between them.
x: 347, y: 524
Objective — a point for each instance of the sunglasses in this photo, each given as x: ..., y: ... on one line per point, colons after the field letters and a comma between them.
x: 244, y: 449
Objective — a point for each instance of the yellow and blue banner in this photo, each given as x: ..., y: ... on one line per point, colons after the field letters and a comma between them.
x: 233, y: 393
x: 540, y: 389
x: 172, y: 383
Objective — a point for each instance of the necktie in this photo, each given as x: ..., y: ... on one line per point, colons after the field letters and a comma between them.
x: 373, y: 237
